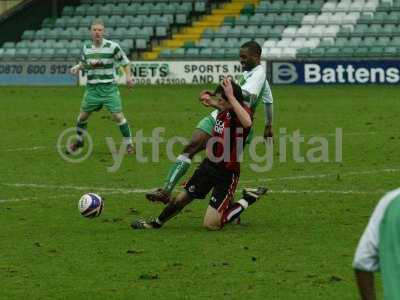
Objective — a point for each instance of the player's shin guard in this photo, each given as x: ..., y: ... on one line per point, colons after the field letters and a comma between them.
x: 125, y: 131
x: 178, y: 169
x: 81, y: 127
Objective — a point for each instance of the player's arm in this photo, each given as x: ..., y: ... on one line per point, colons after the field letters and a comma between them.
x: 123, y: 60
x: 128, y: 74
x: 366, y: 285
x: 241, y: 113
x: 268, y: 110
x: 75, y: 69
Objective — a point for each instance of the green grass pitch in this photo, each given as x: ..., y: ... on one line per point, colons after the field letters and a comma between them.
x: 296, y: 243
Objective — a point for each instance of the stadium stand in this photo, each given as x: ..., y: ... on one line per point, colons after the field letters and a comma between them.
x: 134, y: 24
x: 184, y: 29
x: 305, y: 29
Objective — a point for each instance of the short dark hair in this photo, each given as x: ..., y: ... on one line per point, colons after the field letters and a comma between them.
x: 253, y: 46
x: 237, y: 92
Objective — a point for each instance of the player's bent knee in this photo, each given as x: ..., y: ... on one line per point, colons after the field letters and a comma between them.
x: 212, y: 219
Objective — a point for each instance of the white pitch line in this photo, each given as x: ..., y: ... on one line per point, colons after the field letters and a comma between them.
x: 321, y: 175
x: 77, y: 188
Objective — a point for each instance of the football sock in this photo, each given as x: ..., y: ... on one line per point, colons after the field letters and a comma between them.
x: 234, y: 211
x: 125, y: 131
x: 171, y: 210
x: 81, y: 127
x: 178, y: 169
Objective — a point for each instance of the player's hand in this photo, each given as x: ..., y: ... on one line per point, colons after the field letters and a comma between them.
x: 75, y: 69
x: 130, y: 83
x: 227, y: 86
x: 268, y: 134
x: 205, y: 98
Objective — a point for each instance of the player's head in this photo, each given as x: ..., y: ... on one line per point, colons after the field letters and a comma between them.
x: 223, y: 100
x: 97, y: 30
x: 250, y: 55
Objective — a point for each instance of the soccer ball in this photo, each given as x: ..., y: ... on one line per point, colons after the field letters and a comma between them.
x: 90, y: 205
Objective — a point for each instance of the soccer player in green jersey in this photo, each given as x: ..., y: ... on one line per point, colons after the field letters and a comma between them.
x: 255, y: 89
x: 379, y: 250
x: 100, y: 59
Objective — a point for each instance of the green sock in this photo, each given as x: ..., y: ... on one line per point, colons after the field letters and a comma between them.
x: 81, y: 127
x: 125, y: 131
x: 178, y: 169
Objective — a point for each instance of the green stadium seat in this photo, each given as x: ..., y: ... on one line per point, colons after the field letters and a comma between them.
x: 346, y: 52
x: 230, y: 21
x: 185, y: 8
x: 167, y: 53
x: 42, y: 33
x: 276, y: 6
x: 375, y: 52
x: 28, y: 35
x: 242, y: 20
x: 303, y: 53
x: 361, y: 52
x: 384, y: 6
x: 106, y: 9
x: 204, y: 43
x: 68, y: 11
x: 391, y: 52
x: 383, y: 41
x: 360, y: 30
x: 178, y: 53
x: 35, y: 53
x: 8, y: 54
x: 141, y: 44
x: 317, y: 53
x: 21, y: 53
x: 192, y: 53
x: 138, y: 21
x: 256, y: 20
x: 208, y: 33
x: 369, y: 41
x: 60, y: 54
x: 48, y: 23
x: 218, y: 53
x: 232, y: 53
x: 143, y: 9
x: 92, y: 10
x: 395, y: 42
x: 161, y: 31
x: 365, y: 18
x: 264, y: 31
x: 119, y: 9
x: 66, y: 34
x: 200, y: 7
x: 355, y: 42
x: 9, y: 45
x: 205, y: 53
x: 289, y: 7
x: 74, y: 54
x: 374, y: 29
x: 74, y: 22
x: 333, y: 52
x: 181, y: 19
x: 47, y: 54
x: 81, y: 10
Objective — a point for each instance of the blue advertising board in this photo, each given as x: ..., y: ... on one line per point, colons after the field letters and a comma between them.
x: 336, y: 72
x: 36, y: 73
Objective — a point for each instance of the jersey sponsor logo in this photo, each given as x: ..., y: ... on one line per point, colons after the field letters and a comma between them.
x: 219, y: 126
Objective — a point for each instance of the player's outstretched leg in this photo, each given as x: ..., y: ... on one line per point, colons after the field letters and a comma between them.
x: 172, y: 209
x: 250, y: 196
x: 180, y: 167
x: 81, y: 128
x: 125, y: 131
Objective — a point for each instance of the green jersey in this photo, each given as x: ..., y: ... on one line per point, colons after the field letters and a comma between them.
x: 101, y: 63
x: 255, y: 87
x: 379, y: 246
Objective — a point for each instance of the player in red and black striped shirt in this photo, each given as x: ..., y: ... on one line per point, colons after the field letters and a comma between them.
x: 220, y: 171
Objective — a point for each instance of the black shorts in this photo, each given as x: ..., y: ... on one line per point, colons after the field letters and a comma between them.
x: 210, y: 176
